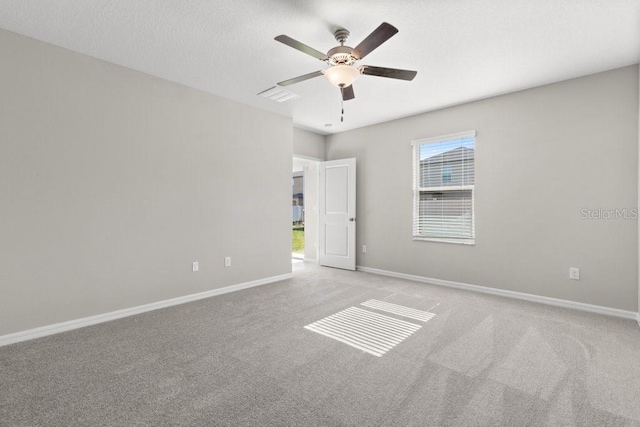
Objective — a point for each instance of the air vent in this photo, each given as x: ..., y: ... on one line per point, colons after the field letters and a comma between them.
x: 278, y: 95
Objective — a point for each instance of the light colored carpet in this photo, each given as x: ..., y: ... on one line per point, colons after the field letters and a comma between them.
x: 245, y: 359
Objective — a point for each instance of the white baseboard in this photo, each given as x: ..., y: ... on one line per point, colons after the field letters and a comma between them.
x: 638, y: 317
x: 106, y: 317
x: 510, y: 294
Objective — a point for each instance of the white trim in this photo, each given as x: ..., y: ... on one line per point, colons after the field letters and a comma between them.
x: 607, y: 311
x: 469, y: 242
x: 638, y: 318
x: 449, y: 188
x: 56, y: 328
x: 443, y: 138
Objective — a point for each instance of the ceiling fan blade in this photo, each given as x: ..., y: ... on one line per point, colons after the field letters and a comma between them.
x: 300, y: 78
x: 347, y: 93
x: 380, y: 35
x: 392, y: 73
x: 301, y: 47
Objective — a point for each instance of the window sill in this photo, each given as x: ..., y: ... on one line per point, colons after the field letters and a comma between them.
x: 470, y: 242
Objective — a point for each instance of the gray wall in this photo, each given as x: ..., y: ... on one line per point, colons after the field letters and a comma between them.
x: 112, y: 182
x: 308, y: 144
x: 543, y: 155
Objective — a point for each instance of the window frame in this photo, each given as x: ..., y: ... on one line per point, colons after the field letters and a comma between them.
x: 417, y: 189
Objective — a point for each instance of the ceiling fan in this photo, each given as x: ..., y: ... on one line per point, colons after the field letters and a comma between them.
x: 343, y: 71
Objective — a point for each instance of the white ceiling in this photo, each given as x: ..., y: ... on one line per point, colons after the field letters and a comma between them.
x: 463, y: 50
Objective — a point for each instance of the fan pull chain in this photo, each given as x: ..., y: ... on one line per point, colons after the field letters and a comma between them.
x: 342, y: 111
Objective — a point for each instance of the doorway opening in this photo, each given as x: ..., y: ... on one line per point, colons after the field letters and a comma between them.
x: 297, y: 214
x: 304, y: 209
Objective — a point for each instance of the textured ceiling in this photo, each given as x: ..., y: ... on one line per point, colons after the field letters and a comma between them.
x: 463, y: 50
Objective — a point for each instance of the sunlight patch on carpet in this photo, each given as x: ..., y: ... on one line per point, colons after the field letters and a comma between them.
x: 370, y: 332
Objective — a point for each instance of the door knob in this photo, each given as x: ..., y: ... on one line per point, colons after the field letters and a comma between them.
x: 352, y: 219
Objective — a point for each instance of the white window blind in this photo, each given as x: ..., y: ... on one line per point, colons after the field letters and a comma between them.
x: 444, y: 170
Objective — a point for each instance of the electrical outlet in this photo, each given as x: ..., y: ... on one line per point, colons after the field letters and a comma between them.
x: 195, y: 266
x: 574, y: 273
x: 364, y: 249
x: 227, y: 261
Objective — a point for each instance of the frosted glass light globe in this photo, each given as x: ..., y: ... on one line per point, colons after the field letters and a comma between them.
x: 342, y: 75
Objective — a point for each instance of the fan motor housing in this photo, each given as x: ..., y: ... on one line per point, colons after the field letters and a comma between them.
x: 341, y: 55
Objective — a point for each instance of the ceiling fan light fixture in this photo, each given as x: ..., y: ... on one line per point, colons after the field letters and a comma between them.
x: 342, y: 71
x: 342, y: 75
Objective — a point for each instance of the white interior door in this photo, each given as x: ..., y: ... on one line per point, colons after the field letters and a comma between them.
x: 338, y: 214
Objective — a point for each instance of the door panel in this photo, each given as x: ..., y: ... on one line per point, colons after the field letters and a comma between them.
x: 336, y: 191
x: 337, y: 214
x: 337, y: 240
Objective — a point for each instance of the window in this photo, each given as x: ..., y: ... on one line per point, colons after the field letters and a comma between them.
x: 444, y: 178
x: 446, y: 173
